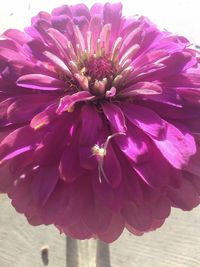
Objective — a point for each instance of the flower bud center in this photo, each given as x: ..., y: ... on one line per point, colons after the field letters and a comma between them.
x: 99, y: 68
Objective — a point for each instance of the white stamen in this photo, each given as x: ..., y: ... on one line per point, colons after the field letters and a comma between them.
x: 73, y: 67
x: 125, y: 64
x: 129, y: 53
x: 105, y: 81
x: 101, y: 152
x: 83, y: 81
x: 117, y: 81
x: 125, y: 73
x: 99, y: 87
x: 79, y: 51
x: 89, y: 42
x: 116, y: 48
x: 98, y: 49
x: 70, y: 51
x: 79, y: 37
x: 130, y: 37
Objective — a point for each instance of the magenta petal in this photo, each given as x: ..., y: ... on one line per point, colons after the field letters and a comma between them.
x: 21, y: 110
x: 20, y: 195
x: 134, y: 144
x: 161, y: 209
x: 142, y: 88
x: 91, y: 125
x: 80, y: 10
x: 97, y: 8
x: 151, y: 172
x: 19, y: 36
x: 59, y: 39
x: 138, y: 217
x: 6, y: 178
x: 96, y: 217
x: 111, y: 197
x: 4, y: 105
x: 114, y: 230
x: 79, y: 196
x: 43, y: 183
x: 56, y: 203
x: 185, y: 197
x: 95, y: 28
x: 67, y: 102
x: 178, y: 146
x: 77, y: 230
x: 112, y: 168
x: 190, y: 94
x: 99, y: 121
x: 44, y: 117
x: 70, y: 168
x: 112, y: 14
x: 19, y: 141
x: 62, y: 10
x: 115, y: 116
x: 193, y: 164
x: 40, y: 82
x: 145, y: 119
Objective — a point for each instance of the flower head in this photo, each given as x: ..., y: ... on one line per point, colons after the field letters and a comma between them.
x: 99, y: 122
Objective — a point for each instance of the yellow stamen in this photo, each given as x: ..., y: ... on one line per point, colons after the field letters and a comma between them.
x: 40, y: 125
x: 83, y: 71
x: 70, y: 109
x: 98, y: 151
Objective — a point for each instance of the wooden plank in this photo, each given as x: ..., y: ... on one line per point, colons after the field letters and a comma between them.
x: 21, y: 243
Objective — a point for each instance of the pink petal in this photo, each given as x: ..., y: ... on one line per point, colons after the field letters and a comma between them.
x: 115, y: 116
x: 178, y: 146
x: 44, y: 180
x: 97, y: 217
x: 151, y: 172
x: 44, y: 117
x: 40, y: 82
x: 70, y: 168
x: 145, y: 119
x: 185, y: 197
x: 19, y: 141
x: 91, y: 125
x: 114, y: 230
x: 21, y: 111
x: 138, y: 217
x: 134, y: 144
x: 112, y: 167
x: 112, y: 15
x: 161, y: 209
x: 67, y: 102
x: 142, y: 88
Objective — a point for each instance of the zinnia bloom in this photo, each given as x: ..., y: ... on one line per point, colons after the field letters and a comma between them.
x: 100, y: 122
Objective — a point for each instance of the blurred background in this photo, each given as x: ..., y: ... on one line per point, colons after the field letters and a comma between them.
x: 178, y: 16
x: 176, y: 244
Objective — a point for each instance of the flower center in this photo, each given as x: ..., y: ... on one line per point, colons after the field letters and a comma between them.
x: 95, y: 66
x: 99, y: 68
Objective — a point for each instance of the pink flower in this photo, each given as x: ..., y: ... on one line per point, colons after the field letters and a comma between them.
x: 100, y: 122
